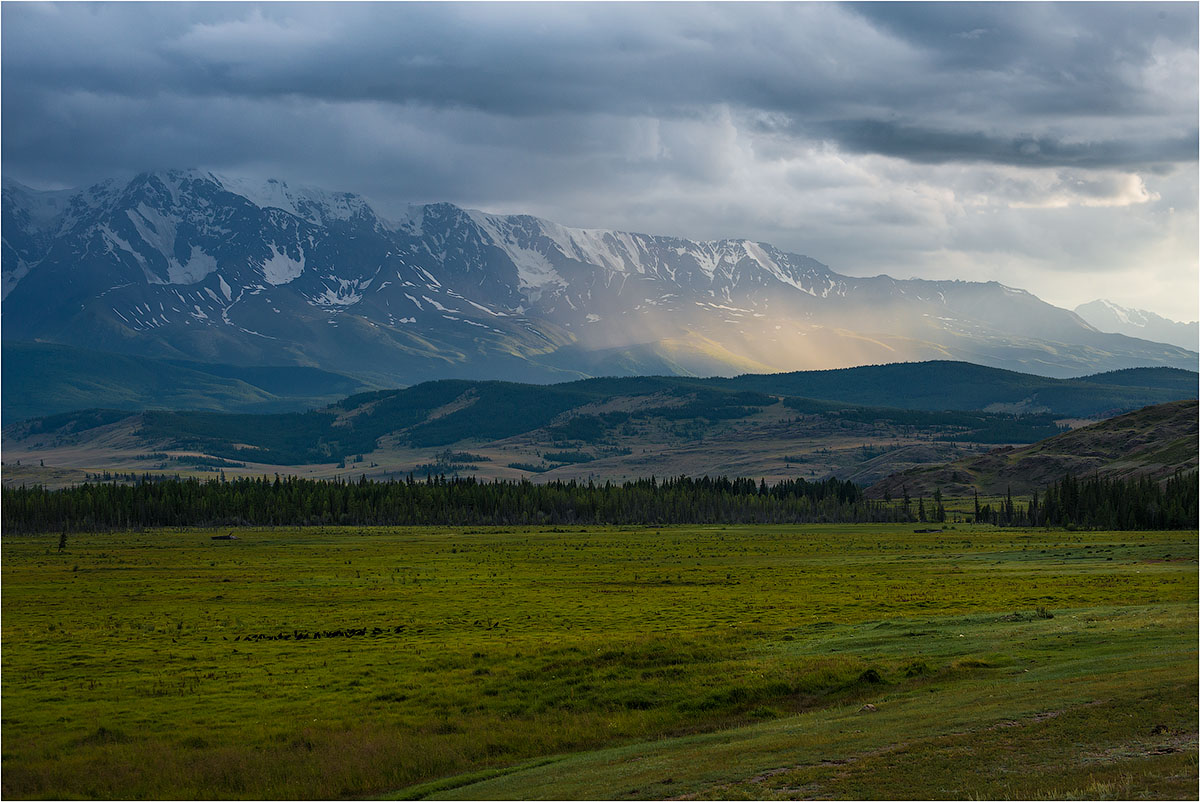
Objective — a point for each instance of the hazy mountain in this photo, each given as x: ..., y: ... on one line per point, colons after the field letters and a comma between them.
x: 1107, y: 316
x: 42, y: 379
x: 192, y: 265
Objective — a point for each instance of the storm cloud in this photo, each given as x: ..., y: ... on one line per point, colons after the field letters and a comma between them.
x: 1049, y: 146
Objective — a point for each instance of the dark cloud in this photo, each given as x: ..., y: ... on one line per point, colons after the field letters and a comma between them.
x: 803, y: 123
x: 926, y: 145
x: 976, y: 68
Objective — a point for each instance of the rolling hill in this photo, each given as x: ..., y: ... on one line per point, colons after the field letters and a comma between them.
x: 943, y: 385
x: 603, y: 428
x: 1155, y: 441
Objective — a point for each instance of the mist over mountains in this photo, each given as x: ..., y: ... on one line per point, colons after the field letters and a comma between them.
x: 196, y: 266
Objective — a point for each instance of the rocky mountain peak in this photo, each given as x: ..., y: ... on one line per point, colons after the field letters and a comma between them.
x: 187, y: 262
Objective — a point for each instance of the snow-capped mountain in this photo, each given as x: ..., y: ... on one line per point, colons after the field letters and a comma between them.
x: 1107, y: 316
x: 209, y: 267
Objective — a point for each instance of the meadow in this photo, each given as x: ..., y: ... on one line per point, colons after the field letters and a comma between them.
x: 761, y: 661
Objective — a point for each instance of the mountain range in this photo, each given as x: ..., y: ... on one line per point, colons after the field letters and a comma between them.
x: 1108, y: 316
x: 194, y: 266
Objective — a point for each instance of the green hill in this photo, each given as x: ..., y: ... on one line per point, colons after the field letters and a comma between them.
x: 593, y: 428
x: 45, y: 379
x: 1155, y: 441
x: 941, y: 385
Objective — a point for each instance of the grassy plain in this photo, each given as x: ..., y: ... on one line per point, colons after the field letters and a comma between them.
x: 700, y: 662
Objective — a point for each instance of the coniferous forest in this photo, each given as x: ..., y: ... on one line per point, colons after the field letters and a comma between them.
x: 1089, y: 503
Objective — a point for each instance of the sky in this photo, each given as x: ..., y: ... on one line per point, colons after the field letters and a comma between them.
x: 1051, y: 147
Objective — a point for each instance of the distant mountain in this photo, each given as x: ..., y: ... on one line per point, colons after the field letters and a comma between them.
x: 1107, y: 316
x: 196, y: 266
x: 1155, y: 441
x: 41, y: 379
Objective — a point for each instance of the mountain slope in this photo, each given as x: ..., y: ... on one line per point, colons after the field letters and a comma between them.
x: 41, y: 379
x: 1107, y: 316
x: 192, y: 265
x: 1154, y: 441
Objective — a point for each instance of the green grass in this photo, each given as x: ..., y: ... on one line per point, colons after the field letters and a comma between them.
x: 720, y: 662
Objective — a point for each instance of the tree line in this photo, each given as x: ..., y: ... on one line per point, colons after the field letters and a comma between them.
x: 292, y: 501
x: 1098, y: 502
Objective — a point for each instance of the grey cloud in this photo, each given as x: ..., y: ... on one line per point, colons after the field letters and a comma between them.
x: 1043, y: 38
x: 729, y: 119
x: 928, y: 145
x: 1035, y: 84
x: 812, y: 61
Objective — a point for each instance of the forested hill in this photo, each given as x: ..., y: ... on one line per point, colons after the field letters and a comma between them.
x: 1153, y: 443
x: 42, y: 379
x: 942, y: 385
x: 449, y: 411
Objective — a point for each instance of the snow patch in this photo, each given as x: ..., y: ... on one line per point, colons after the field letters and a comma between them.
x: 438, y: 306
x: 309, y: 203
x: 755, y: 252
x: 113, y: 240
x: 483, y: 308
x: 346, y: 293
x: 10, y: 278
x: 534, y: 270
x: 198, y: 267
x: 281, y: 268
x: 429, y: 275
x: 1124, y: 315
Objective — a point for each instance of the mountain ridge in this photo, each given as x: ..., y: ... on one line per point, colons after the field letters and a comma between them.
x: 191, y: 265
x: 1107, y: 316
